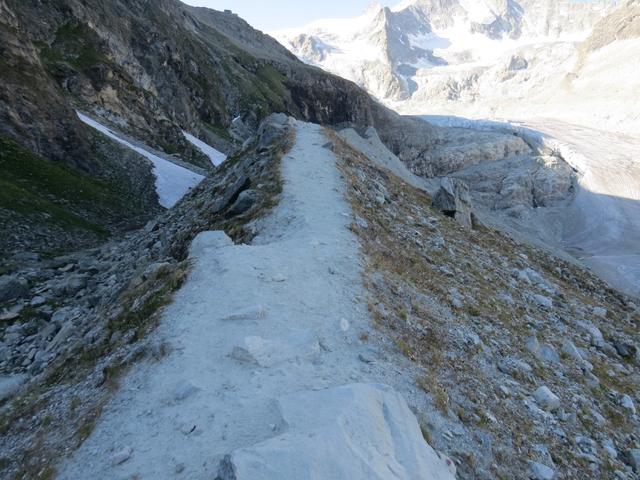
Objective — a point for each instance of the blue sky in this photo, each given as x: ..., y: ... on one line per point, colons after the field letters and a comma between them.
x: 269, y: 15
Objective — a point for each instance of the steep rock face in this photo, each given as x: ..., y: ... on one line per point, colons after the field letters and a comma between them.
x: 153, y: 69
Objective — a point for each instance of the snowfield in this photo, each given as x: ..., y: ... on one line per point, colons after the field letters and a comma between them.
x: 264, y: 378
x: 172, y: 181
x: 216, y: 156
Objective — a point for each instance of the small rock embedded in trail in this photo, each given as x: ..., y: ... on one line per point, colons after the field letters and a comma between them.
x: 256, y: 312
x: 121, y: 456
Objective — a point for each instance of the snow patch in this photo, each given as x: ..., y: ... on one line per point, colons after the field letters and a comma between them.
x: 172, y: 181
x: 216, y: 156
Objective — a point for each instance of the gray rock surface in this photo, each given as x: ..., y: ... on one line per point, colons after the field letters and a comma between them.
x: 12, y: 288
x: 356, y: 432
x: 453, y: 200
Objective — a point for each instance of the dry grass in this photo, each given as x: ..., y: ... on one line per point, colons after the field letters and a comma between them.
x: 414, y: 258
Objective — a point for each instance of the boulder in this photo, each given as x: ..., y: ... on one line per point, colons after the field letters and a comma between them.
x: 9, y: 386
x: 271, y: 129
x: 453, y: 199
x: 538, y: 471
x: 356, y: 432
x: 245, y: 201
x: 546, y: 399
x: 12, y: 288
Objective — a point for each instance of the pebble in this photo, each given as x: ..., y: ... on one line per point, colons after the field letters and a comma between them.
x: 122, y: 456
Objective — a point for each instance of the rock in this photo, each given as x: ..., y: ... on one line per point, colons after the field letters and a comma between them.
x: 183, y: 391
x: 591, y: 379
x: 544, y: 351
x: 154, y: 268
x: 632, y: 458
x: 243, y: 204
x: 37, y: 301
x: 9, y: 386
x: 538, y: 471
x: 209, y: 241
x: 626, y: 402
x: 256, y: 312
x: 271, y: 129
x: 546, y: 399
x: 61, y: 337
x: 12, y: 288
x: 49, y: 330
x: 625, y: 349
x: 240, y: 130
x: 365, y: 358
x: 600, y: 312
x: 514, y: 367
x: 453, y: 199
x: 344, y: 325
x: 571, y: 351
x: 267, y: 353
x: 9, y: 315
x: 356, y: 432
x: 548, y: 354
x: 74, y: 284
x: 361, y: 222
x: 610, y: 448
x: 543, y: 301
x: 532, y: 344
x: 122, y: 456
x: 595, y: 335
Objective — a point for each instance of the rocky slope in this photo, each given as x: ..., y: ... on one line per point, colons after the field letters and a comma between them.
x: 508, y: 357
x: 515, y: 348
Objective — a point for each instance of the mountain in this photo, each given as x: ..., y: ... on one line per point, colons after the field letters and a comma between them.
x: 477, y: 58
x: 168, y: 69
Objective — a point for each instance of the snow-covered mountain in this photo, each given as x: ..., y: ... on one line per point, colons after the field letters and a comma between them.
x: 473, y: 57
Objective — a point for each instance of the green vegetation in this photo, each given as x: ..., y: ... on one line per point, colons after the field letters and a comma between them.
x: 155, y: 293
x: 56, y: 195
x: 76, y: 44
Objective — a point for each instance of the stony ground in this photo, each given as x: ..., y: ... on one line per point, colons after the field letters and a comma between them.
x: 530, y: 362
x: 72, y: 325
x: 515, y: 363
